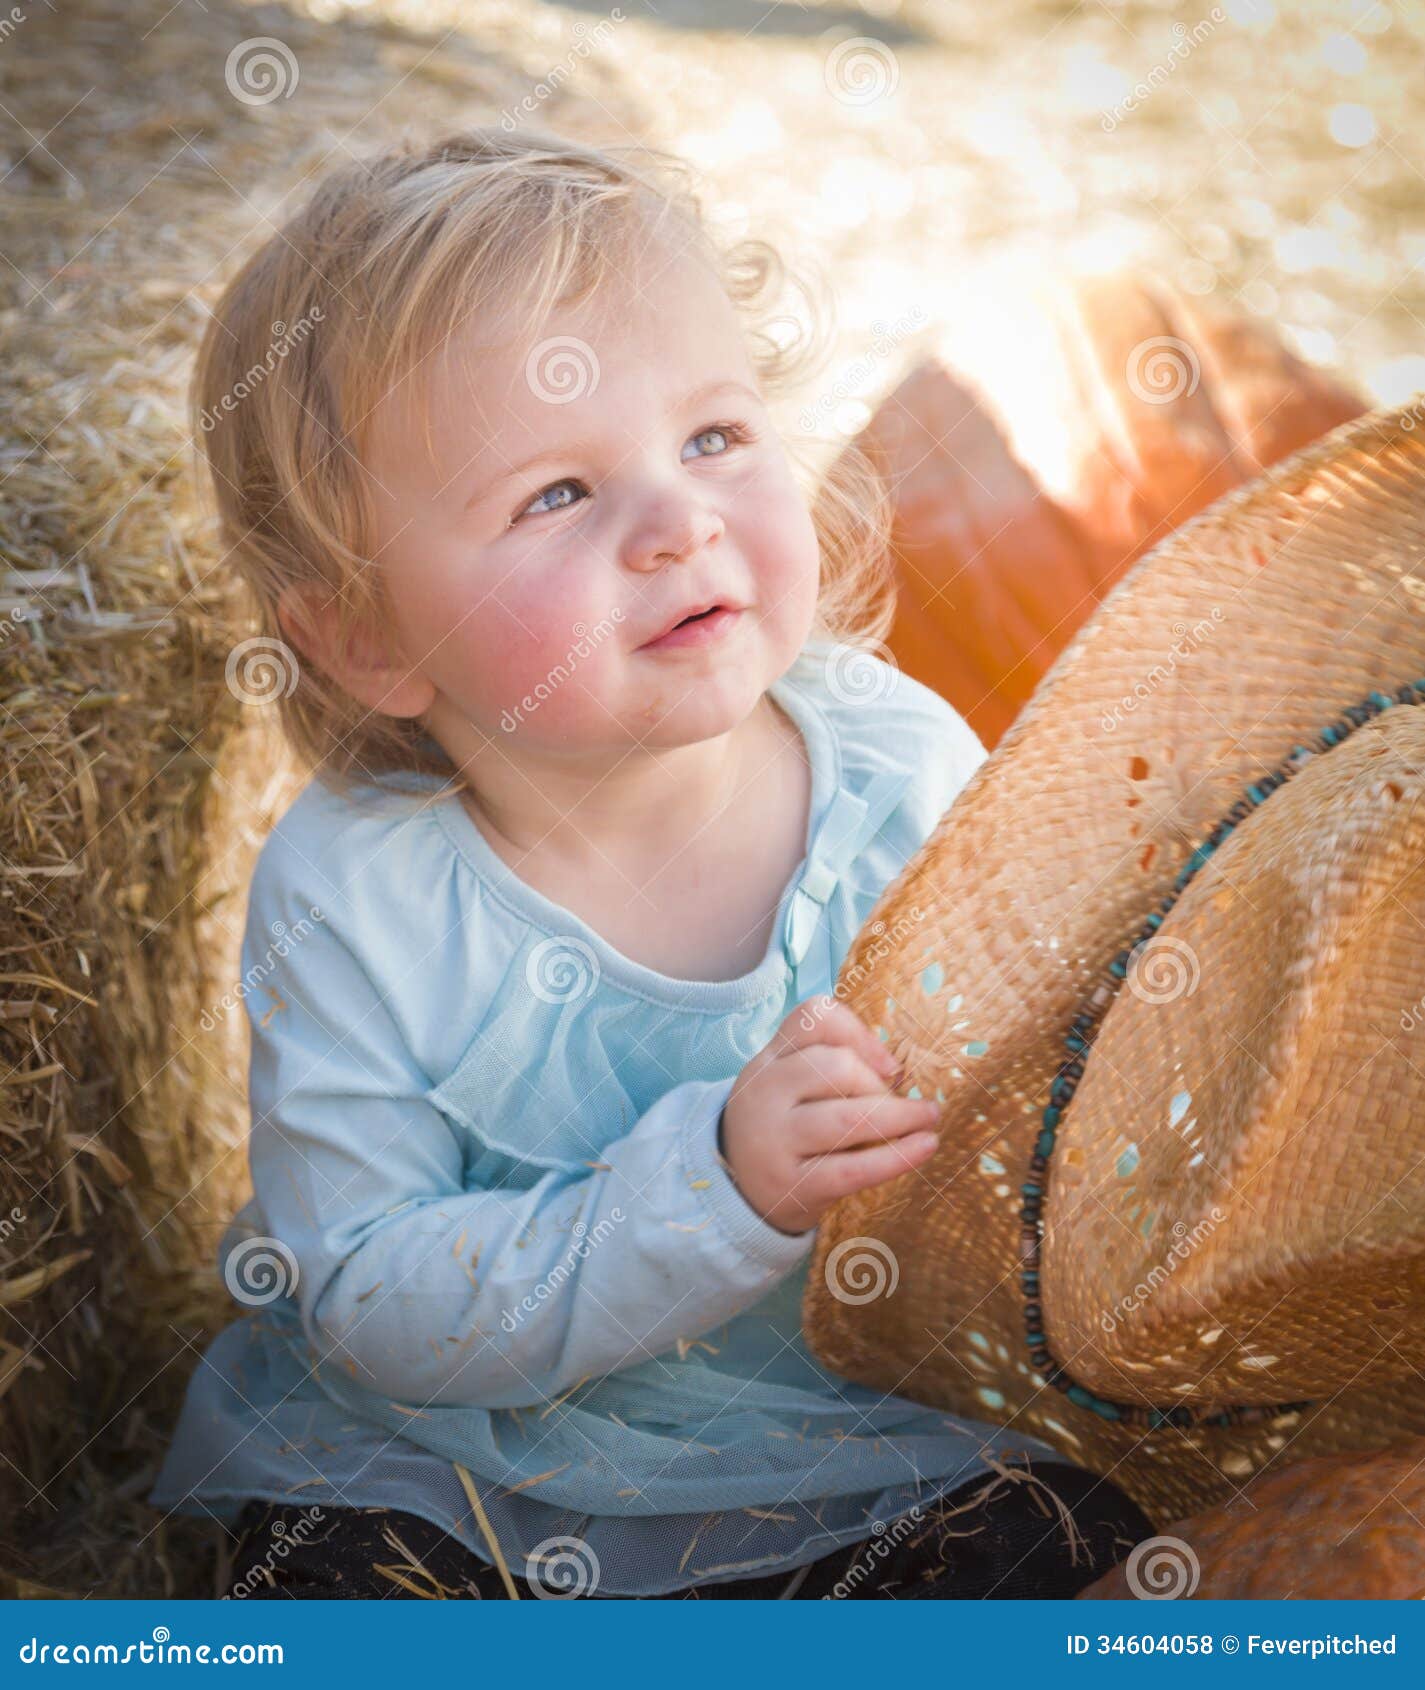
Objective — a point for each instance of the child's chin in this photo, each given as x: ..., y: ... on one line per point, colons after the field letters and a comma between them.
x: 713, y: 704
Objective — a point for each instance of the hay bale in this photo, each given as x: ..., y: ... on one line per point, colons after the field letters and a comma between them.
x: 137, y: 787
x: 127, y: 761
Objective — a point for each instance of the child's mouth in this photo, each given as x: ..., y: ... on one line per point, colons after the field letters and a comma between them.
x: 700, y: 629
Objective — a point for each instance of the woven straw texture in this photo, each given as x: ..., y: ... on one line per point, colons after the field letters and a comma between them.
x: 1233, y: 1213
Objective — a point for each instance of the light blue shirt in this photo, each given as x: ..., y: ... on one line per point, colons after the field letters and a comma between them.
x: 490, y: 1227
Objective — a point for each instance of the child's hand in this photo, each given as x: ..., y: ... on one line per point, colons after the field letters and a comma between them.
x: 812, y: 1117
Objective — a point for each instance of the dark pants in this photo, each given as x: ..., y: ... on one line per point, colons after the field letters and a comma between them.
x: 1046, y: 1530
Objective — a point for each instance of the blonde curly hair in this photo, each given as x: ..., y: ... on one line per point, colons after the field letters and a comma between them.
x: 384, y: 262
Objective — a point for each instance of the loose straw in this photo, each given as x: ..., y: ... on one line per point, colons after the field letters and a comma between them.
x: 490, y: 1538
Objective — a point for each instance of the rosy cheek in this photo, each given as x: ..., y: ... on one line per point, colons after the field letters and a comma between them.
x: 532, y: 658
x: 787, y: 552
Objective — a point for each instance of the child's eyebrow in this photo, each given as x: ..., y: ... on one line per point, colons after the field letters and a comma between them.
x: 569, y: 448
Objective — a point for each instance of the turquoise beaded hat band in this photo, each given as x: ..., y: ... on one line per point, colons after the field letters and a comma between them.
x: 1078, y: 1041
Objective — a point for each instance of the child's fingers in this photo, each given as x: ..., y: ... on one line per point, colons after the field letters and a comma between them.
x: 824, y: 1021
x: 847, y: 1122
x: 828, y: 1071
x: 845, y: 1171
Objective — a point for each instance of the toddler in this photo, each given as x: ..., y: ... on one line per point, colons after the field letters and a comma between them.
x: 549, y: 1083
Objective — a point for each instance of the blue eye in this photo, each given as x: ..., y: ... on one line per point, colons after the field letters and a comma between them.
x: 554, y: 486
x: 730, y: 433
x: 718, y: 432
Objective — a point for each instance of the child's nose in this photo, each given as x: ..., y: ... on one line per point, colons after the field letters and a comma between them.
x: 677, y: 530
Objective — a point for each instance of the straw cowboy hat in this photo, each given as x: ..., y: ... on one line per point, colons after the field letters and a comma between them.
x: 1163, y: 962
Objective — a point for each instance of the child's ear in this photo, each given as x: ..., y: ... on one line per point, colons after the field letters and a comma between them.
x: 358, y: 663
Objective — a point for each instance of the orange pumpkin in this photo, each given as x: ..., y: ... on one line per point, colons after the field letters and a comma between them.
x: 1182, y: 401
x: 1329, y: 1526
x: 992, y: 576
x: 1172, y: 403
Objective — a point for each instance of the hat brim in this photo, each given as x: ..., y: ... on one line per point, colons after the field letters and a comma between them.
x: 1242, y: 634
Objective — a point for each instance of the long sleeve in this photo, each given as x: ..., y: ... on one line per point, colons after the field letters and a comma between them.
x: 452, y: 1075
x: 427, y: 1291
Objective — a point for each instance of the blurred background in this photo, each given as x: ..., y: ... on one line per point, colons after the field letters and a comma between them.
x: 955, y: 174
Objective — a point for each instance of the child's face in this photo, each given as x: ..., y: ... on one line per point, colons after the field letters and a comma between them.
x: 526, y: 597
